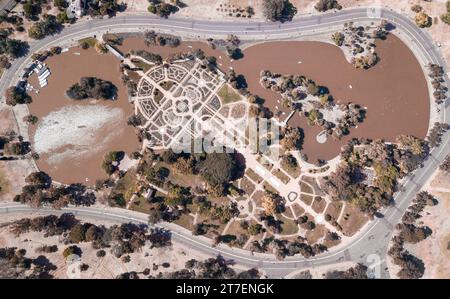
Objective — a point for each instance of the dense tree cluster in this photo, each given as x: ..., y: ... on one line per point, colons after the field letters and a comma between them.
x: 13, y: 147
x: 413, y: 213
x: 103, y: 8
x: 304, y: 95
x: 48, y: 25
x: 413, y: 234
x: 16, y: 95
x: 411, y: 266
x: 408, y: 232
x: 11, y: 47
x: 283, y: 248
x: 92, y: 87
x: 212, y: 268
x: 445, y: 166
x: 435, y: 135
x: 14, y: 264
x: 278, y: 10
x: 272, y: 203
x: 122, y: 239
x: 50, y: 225
x: 290, y: 161
x: 160, y: 39
x: 230, y: 45
x: 390, y: 162
x: 32, y: 9
x: 13, y: 19
x: 218, y: 169
x: 357, y: 272
x: 360, y: 42
x: 292, y: 138
x: 111, y: 161
x: 324, y: 5
x: 151, y: 57
x: 436, y: 73
x: 446, y: 16
x: 423, y: 20
x: 39, y: 191
x: 162, y: 8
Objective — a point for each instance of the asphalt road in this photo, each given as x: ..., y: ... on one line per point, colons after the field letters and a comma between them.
x: 6, y: 5
x: 369, y: 246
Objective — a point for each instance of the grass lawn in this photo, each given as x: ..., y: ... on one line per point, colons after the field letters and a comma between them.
x: 288, y: 227
x: 140, y: 64
x: 185, y: 221
x: 91, y: 41
x: 228, y: 95
x: 127, y: 185
x: 334, y: 209
x: 352, y: 220
x: 141, y: 204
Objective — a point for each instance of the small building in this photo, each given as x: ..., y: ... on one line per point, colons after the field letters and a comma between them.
x: 150, y: 194
x: 75, y: 8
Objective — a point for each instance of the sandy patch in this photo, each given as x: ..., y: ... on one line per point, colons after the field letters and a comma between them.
x: 435, y: 250
x: 76, y: 130
x: 106, y: 267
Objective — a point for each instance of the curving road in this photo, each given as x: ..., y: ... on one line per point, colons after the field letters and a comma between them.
x: 370, y: 245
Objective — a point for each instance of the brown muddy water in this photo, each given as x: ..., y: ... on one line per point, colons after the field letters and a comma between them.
x: 394, y: 92
x: 78, y: 157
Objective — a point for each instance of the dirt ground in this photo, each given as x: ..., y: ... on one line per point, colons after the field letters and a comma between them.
x: 12, y: 177
x: 319, y: 272
x: 435, y: 250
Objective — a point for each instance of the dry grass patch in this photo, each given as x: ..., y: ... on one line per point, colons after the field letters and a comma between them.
x: 289, y: 227
x: 141, y: 204
x: 142, y: 65
x: 281, y: 176
x: 334, y: 209
x: 306, y: 188
x: 269, y: 187
x: 319, y: 204
x: 316, y: 234
x: 292, y: 171
x: 257, y: 198
x: 246, y: 185
x: 313, y: 182
x: 352, y: 220
x: 253, y: 175
x: 228, y: 95
x: 306, y: 199
x: 288, y: 213
x: 186, y: 221
x: 298, y: 210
